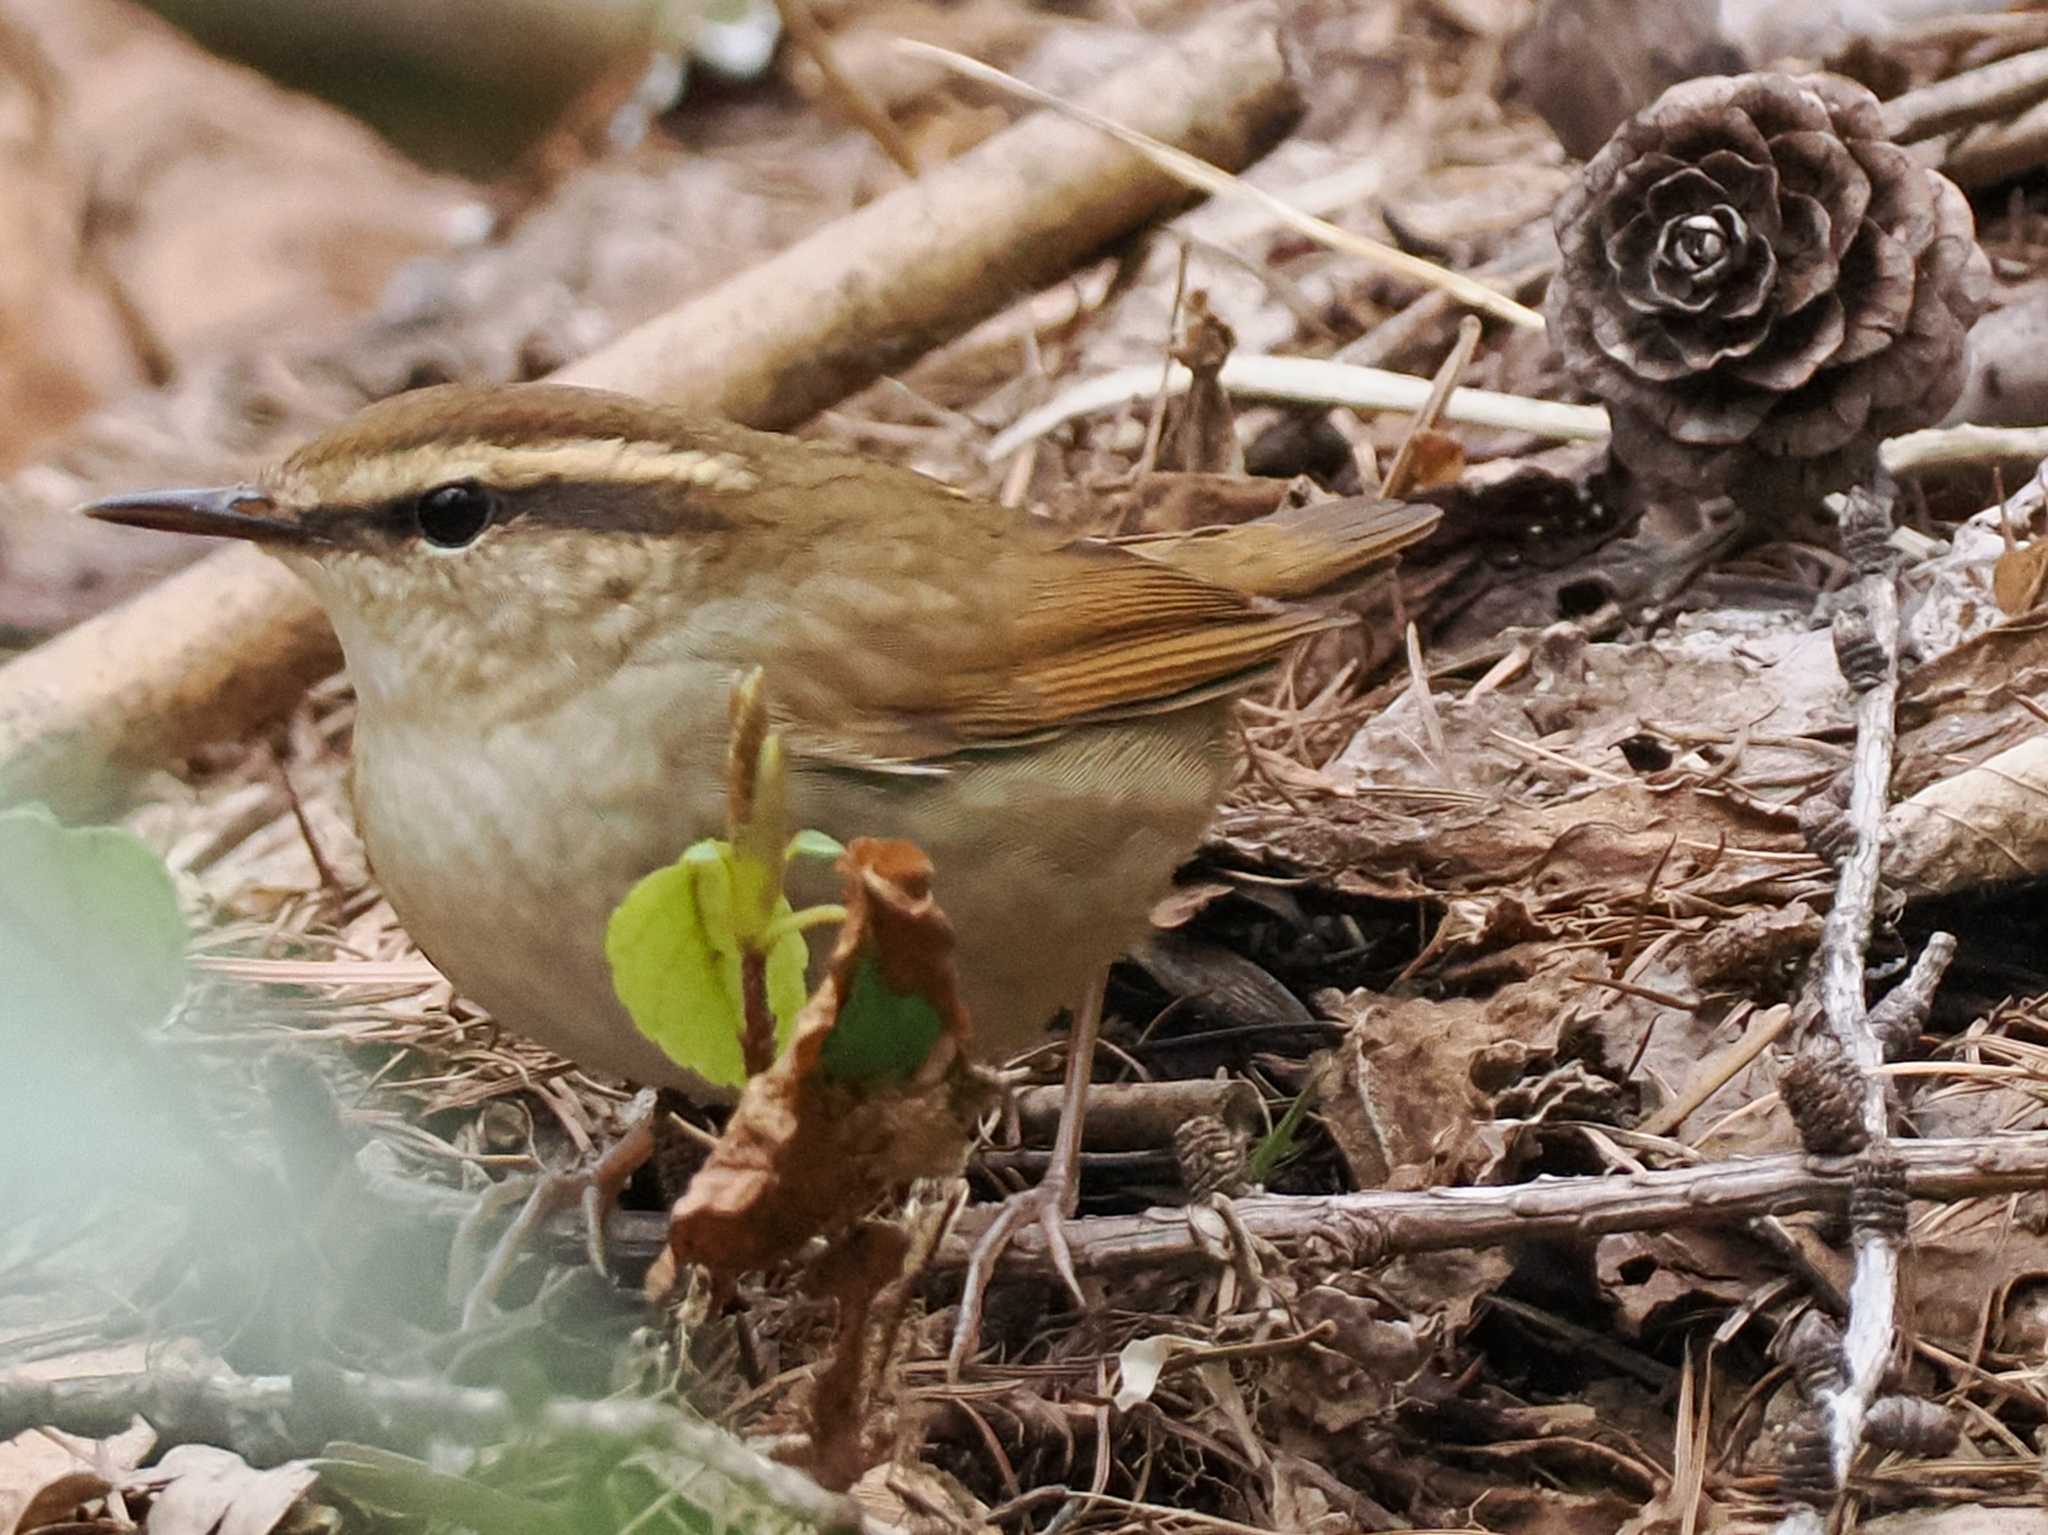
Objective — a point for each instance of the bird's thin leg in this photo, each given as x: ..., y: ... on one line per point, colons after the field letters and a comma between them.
x: 596, y: 1186
x: 1051, y: 1203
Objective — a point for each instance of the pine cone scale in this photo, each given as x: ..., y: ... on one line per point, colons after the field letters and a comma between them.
x: 1800, y: 344
x: 1762, y: 286
x: 1821, y: 166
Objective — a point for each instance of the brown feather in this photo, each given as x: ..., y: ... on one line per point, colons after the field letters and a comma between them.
x: 1298, y: 552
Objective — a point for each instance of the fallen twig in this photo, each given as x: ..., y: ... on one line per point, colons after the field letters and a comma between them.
x: 195, y: 1397
x: 1718, y: 1070
x: 1867, y: 649
x: 1387, y: 1223
x: 1310, y: 381
x: 1402, y: 470
x: 1987, y: 94
x: 1325, y: 381
x: 1842, y: 1096
x: 806, y: 34
x: 1964, y: 444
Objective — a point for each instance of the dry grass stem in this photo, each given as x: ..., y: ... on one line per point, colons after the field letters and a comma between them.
x: 1218, y: 182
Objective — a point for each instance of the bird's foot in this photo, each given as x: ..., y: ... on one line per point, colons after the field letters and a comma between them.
x: 1049, y: 1206
x: 596, y: 1187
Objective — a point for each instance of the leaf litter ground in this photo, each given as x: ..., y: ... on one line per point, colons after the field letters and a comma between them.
x: 1548, y: 916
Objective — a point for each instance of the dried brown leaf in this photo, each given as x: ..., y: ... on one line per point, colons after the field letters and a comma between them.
x: 1434, y: 459
x: 1651, y: 1278
x: 1187, y: 902
x: 1416, y: 1077
x: 2017, y: 576
x: 1203, y: 436
x: 806, y: 1155
x: 211, y: 1491
x: 46, y: 1478
x: 1987, y: 825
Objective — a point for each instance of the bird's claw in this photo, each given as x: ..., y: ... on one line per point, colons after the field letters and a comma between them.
x: 1048, y: 1206
x: 595, y: 1187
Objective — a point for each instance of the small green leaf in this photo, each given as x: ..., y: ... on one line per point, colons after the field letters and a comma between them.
x: 675, y: 958
x: 666, y: 969
x: 813, y: 844
x: 881, y: 1034
x: 90, y: 930
x: 1281, y: 1144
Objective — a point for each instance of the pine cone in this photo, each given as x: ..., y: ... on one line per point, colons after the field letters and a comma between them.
x: 1763, y: 287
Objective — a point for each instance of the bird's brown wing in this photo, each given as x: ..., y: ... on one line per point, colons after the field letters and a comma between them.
x: 1067, y: 632
x: 1101, y: 634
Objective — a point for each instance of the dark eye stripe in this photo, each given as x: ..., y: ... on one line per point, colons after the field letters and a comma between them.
x: 593, y: 505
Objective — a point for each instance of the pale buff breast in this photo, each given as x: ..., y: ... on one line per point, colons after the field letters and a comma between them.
x: 504, y: 847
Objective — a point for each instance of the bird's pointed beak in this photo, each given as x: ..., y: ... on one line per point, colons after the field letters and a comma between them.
x: 234, y: 511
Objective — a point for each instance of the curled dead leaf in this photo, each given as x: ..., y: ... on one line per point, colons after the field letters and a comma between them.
x: 1987, y: 825
x: 46, y: 1477
x: 821, y: 1136
x: 211, y: 1491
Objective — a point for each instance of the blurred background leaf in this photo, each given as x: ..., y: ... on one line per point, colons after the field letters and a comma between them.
x: 89, y: 925
x: 470, y: 85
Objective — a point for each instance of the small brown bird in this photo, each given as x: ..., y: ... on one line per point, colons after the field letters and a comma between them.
x: 545, y: 596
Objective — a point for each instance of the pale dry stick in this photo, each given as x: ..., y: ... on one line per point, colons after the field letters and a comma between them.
x: 1203, y: 176
x: 235, y: 639
x: 1155, y: 425
x: 1359, y: 182
x: 1691, y: 1438
x: 1867, y: 651
x: 1017, y: 478
x: 1310, y: 381
x: 1321, y: 381
x: 1994, y: 91
x: 318, y: 972
x: 1940, y: 446
x: 1425, y: 705
x: 1555, y: 759
x: 1500, y: 674
x: 1402, y: 470
x: 1993, y: 152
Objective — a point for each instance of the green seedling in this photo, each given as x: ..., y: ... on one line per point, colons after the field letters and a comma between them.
x: 709, y: 948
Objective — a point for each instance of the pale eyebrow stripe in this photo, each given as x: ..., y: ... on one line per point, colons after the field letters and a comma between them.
x: 388, y: 476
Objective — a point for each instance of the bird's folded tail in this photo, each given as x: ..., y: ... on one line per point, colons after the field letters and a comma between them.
x: 1297, y: 553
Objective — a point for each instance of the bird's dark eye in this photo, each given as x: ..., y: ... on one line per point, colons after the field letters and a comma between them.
x: 450, y: 516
